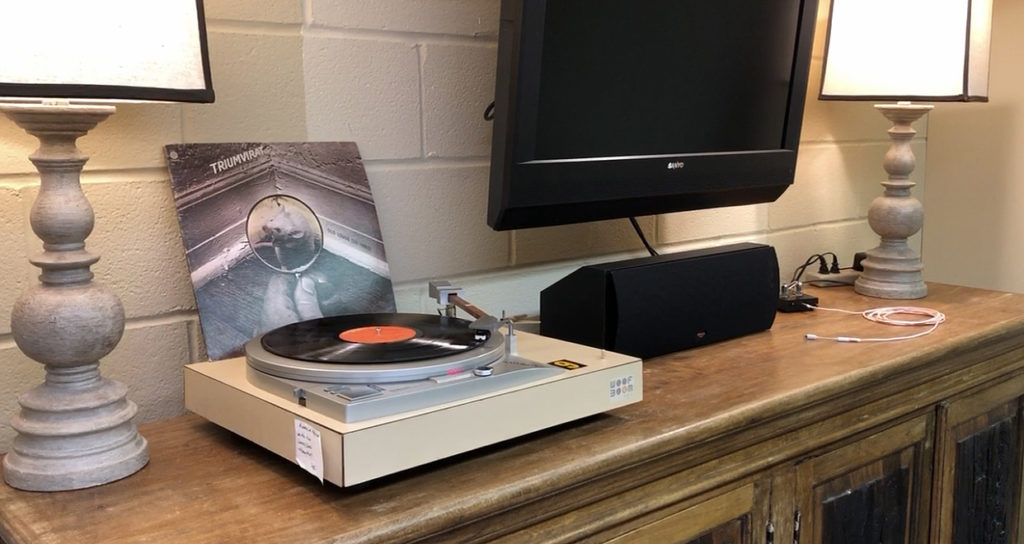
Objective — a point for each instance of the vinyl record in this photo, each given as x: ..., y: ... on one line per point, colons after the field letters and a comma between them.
x: 373, y: 338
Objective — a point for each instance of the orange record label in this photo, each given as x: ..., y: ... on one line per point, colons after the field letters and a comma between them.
x: 384, y: 334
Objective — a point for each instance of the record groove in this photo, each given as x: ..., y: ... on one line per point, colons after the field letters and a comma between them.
x: 378, y: 338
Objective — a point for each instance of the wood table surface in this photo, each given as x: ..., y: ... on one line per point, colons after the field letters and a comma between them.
x: 204, y: 484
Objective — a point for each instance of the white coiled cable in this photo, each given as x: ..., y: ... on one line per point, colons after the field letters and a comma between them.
x: 888, y: 316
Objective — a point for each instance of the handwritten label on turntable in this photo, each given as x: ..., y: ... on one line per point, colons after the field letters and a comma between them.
x: 309, y: 452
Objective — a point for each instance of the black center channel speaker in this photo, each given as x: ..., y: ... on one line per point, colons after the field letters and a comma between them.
x: 655, y: 305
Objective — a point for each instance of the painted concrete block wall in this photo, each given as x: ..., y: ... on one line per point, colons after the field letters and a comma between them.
x: 973, y: 219
x: 408, y: 80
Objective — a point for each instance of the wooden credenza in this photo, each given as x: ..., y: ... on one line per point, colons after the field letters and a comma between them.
x: 911, y: 441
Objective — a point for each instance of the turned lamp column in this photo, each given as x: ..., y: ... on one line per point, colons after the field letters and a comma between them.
x: 75, y: 429
x: 893, y: 269
x: 932, y: 52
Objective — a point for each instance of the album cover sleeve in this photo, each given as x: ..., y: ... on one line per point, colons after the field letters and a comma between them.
x: 276, y: 233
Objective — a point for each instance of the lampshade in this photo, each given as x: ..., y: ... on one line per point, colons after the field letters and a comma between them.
x: 917, y: 50
x: 104, y: 49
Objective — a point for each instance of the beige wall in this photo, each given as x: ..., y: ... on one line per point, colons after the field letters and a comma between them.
x: 408, y: 81
x: 974, y: 225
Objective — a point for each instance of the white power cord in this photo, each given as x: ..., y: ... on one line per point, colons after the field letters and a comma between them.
x: 886, y: 316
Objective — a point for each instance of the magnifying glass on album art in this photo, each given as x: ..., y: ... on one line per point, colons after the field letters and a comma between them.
x: 287, y: 237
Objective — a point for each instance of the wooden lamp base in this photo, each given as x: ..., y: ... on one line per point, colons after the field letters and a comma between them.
x: 75, y: 430
x: 894, y: 269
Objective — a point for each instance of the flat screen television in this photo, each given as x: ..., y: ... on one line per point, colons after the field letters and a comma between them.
x: 620, y: 108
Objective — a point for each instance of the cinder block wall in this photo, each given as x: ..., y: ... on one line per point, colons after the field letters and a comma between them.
x: 407, y: 80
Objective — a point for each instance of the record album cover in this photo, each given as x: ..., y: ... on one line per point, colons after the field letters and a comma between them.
x: 277, y: 233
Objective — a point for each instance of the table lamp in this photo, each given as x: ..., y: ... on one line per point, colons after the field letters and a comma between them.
x: 63, y: 65
x: 904, y: 51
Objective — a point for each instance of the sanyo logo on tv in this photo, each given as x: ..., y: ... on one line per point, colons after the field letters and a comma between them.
x: 676, y: 165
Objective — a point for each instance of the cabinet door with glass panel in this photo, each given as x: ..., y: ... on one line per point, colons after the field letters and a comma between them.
x: 738, y: 516
x: 875, y: 489
x: 979, y: 460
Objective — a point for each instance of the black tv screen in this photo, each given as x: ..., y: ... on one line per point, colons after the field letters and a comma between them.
x: 618, y: 108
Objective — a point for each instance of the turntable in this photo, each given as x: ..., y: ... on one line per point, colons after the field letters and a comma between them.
x: 353, y: 398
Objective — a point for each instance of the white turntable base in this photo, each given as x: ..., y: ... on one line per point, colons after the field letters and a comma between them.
x: 357, y: 452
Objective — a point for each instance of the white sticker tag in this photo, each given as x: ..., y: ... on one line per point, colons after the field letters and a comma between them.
x: 309, y: 453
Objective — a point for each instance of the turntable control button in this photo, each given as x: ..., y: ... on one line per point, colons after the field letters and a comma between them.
x: 354, y: 391
x: 448, y: 378
x: 483, y: 371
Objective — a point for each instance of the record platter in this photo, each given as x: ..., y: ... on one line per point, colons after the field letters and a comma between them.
x: 353, y: 398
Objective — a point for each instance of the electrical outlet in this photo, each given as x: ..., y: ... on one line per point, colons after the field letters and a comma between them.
x: 843, y: 277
